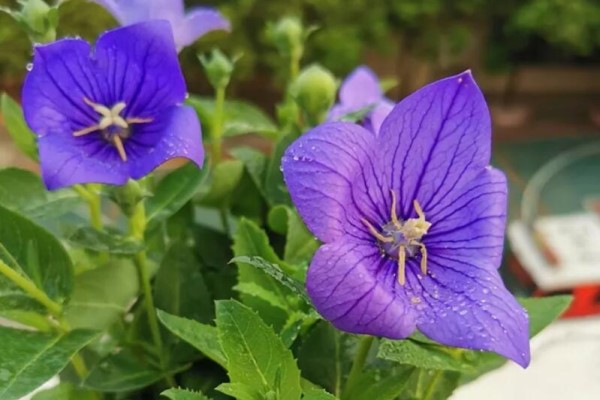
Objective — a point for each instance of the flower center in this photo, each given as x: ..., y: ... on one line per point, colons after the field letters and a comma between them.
x: 398, y: 238
x: 113, y: 127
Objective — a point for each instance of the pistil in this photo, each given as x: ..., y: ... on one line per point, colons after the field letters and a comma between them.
x: 403, y: 236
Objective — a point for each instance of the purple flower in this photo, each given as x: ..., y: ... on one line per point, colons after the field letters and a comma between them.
x: 187, y: 28
x: 111, y: 113
x: 359, y: 91
x: 412, y: 221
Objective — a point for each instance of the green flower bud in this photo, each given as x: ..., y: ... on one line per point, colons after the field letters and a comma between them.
x: 128, y: 196
x: 38, y: 19
x: 288, y: 37
x: 314, y: 90
x: 218, y: 68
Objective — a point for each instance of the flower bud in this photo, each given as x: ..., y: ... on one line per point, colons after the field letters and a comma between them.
x: 288, y: 37
x: 218, y: 68
x: 38, y: 19
x: 128, y: 196
x: 314, y: 90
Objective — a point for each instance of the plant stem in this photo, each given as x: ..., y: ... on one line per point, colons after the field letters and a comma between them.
x: 217, y: 128
x: 432, y: 385
x: 358, y: 363
x: 92, y: 198
x: 31, y: 289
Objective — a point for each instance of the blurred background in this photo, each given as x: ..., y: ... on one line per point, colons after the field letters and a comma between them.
x: 538, y: 63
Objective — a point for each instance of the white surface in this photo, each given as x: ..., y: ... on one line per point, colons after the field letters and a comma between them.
x: 565, y: 365
x: 545, y: 276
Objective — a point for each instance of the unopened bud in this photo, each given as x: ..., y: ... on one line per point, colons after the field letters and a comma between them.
x: 218, y: 67
x: 314, y: 90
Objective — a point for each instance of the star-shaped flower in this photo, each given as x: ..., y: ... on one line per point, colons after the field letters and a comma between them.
x: 412, y: 222
x: 187, y: 27
x: 360, y: 91
x: 111, y: 113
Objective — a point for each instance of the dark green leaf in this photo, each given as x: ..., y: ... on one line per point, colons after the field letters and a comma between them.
x: 291, y: 329
x: 28, y: 359
x: 23, y: 191
x: 21, y: 135
x: 255, y: 355
x: 320, y: 356
x: 387, y: 387
x: 65, y: 391
x: 202, y: 337
x: 102, y: 295
x: 255, y: 163
x: 179, y: 287
x: 39, y: 254
x: 275, y: 188
x: 174, y: 190
x: 423, y: 355
x: 123, y: 372
x: 300, y: 244
x: 240, y: 117
x: 183, y: 394
x: 104, y: 242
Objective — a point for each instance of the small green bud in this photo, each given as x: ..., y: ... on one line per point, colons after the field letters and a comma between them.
x: 271, y: 395
x: 314, y: 90
x: 38, y: 19
x: 288, y: 37
x: 218, y: 68
x: 128, y: 196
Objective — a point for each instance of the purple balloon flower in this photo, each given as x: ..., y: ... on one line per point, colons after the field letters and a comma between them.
x: 187, y: 28
x: 111, y: 113
x: 359, y: 91
x: 412, y: 221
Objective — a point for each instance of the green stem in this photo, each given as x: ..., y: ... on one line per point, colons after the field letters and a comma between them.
x: 359, y: 362
x: 432, y: 385
x: 92, y: 198
x: 217, y: 131
x: 294, y: 67
x: 31, y: 289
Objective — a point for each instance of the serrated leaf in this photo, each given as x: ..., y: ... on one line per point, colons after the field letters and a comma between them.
x: 202, y: 337
x: 300, y: 244
x: 174, y: 191
x: 23, y: 191
x: 20, y: 133
x: 255, y: 290
x: 317, y: 394
x: 240, y: 117
x: 275, y: 272
x: 39, y: 255
x: 28, y: 359
x: 240, y: 391
x: 102, y: 295
x: 104, y: 242
x: 388, y: 387
x: 255, y: 354
x: 183, y: 394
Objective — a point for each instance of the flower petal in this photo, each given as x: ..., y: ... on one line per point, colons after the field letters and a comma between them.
x: 327, y: 171
x: 465, y: 304
x: 176, y: 133
x: 379, y: 114
x: 141, y: 66
x: 129, y: 12
x: 435, y: 140
x: 53, y: 92
x: 350, y: 285
x: 360, y: 89
x: 471, y: 219
x: 198, y: 22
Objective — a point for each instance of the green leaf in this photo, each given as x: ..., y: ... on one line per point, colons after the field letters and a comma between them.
x: 32, y: 319
x: 275, y: 189
x: 20, y: 133
x: 65, y: 391
x: 317, y: 394
x: 240, y: 117
x: 23, y: 191
x: 300, y: 244
x: 102, y: 295
x: 202, y: 337
x: 255, y: 354
x: 292, y: 327
x: 222, y: 181
x: 321, y: 356
x: 240, y: 391
x: 28, y: 359
x: 255, y: 290
x: 174, y: 191
x: 40, y: 255
x: 179, y: 287
x: 275, y: 272
x: 13, y: 298
x: 390, y: 387
x: 544, y: 310
x: 183, y: 394
x: 255, y: 163
x: 123, y: 372
x: 104, y: 242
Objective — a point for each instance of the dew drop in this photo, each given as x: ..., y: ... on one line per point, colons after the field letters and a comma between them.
x: 485, y: 290
x: 462, y: 312
x: 29, y: 67
x: 296, y: 158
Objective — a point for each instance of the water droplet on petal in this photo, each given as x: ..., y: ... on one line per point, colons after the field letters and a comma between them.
x: 29, y: 67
